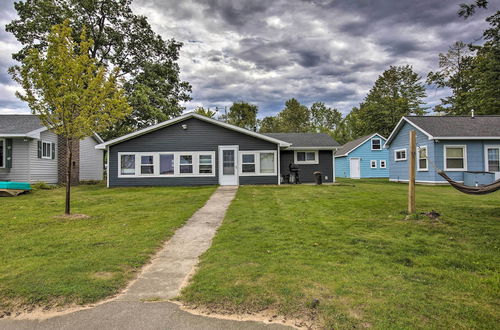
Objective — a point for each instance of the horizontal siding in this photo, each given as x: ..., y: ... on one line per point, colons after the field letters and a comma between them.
x: 341, y: 167
x: 199, y: 136
x: 20, y: 162
x: 43, y: 169
x: 325, y: 166
x: 91, y: 160
x: 366, y: 154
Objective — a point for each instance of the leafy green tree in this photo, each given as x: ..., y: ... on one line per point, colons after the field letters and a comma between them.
x: 469, y: 9
x: 205, y: 112
x: 349, y: 128
x: 270, y: 124
x: 397, y: 92
x: 295, y: 117
x: 72, y: 94
x: 121, y: 39
x: 324, y: 119
x: 243, y: 114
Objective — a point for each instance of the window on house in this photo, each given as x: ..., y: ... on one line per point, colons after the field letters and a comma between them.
x: 2, y: 153
x: 422, y: 159
x: 455, y: 157
x: 186, y: 164
x: 493, y: 159
x: 248, y: 163
x: 376, y: 144
x: 306, y: 157
x: 205, y: 165
x: 46, y: 150
x: 167, y: 164
x: 147, y: 164
x: 266, y: 162
x: 383, y: 164
x: 127, y: 163
x: 373, y: 164
x: 400, y: 155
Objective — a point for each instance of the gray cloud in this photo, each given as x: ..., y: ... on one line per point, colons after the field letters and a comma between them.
x: 266, y: 52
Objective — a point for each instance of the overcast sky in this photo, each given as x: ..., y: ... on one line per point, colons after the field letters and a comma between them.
x: 266, y: 52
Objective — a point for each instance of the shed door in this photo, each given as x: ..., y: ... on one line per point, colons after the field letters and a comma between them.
x: 228, y: 167
x: 355, y: 168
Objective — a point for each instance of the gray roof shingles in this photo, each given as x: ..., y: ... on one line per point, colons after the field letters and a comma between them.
x: 306, y: 140
x: 458, y: 126
x: 19, y: 124
x: 349, y: 146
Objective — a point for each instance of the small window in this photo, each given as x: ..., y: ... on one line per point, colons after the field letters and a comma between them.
x: 205, y: 164
x: 248, y: 163
x: 493, y: 159
x: 373, y: 164
x: 266, y: 162
x: 2, y: 153
x: 147, y: 165
x: 166, y: 164
x: 46, y: 150
x: 400, y: 155
x: 306, y: 157
x: 383, y: 164
x: 376, y: 144
x: 186, y: 164
x: 454, y: 158
x: 127, y: 164
x: 422, y: 159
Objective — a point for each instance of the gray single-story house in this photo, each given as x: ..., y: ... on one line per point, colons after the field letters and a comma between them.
x: 467, y: 148
x: 196, y: 150
x: 29, y: 152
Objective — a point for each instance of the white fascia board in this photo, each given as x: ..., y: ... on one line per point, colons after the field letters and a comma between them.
x: 311, y: 148
x: 466, y: 138
x: 187, y: 116
x: 398, y: 127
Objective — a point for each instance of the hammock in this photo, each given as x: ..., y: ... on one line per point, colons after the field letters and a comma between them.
x: 471, y: 190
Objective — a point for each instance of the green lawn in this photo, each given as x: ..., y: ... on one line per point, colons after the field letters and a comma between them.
x: 46, y: 260
x: 350, y: 247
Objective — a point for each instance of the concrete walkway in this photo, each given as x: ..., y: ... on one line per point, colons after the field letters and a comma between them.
x: 162, y: 279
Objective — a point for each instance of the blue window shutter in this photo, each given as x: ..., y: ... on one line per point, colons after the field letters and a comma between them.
x: 8, y: 154
x: 53, y: 150
x: 39, y: 149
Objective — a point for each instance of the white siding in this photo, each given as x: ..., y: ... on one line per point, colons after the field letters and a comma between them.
x: 20, y: 162
x: 43, y: 169
x: 91, y: 160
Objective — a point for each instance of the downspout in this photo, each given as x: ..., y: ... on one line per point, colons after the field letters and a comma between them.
x: 107, y: 155
x: 278, y: 163
x: 333, y: 160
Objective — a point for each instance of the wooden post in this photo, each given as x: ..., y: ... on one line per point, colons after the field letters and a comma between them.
x: 411, y: 172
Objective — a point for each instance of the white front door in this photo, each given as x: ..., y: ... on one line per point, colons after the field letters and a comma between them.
x: 492, y: 159
x: 228, y: 166
x: 354, y: 164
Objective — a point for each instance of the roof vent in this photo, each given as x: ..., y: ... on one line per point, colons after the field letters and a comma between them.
x: 472, y: 113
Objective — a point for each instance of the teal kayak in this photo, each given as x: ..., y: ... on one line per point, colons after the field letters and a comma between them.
x: 15, y: 185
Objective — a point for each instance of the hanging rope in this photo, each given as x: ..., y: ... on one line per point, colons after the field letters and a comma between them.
x: 471, y: 190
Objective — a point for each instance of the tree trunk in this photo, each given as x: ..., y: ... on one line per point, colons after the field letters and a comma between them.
x: 69, y: 158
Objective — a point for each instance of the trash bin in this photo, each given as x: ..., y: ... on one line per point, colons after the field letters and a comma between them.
x: 317, y: 177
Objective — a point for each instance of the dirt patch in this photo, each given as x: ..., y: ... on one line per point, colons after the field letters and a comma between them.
x: 103, y: 275
x: 72, y: 216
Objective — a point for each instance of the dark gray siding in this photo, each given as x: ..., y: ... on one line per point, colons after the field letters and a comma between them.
x: 325, y: 166
x: 199, y: 136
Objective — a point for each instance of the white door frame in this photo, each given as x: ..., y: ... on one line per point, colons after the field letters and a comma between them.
x: 486, y: 147
x: 350, y: 167
x: 229, y: 180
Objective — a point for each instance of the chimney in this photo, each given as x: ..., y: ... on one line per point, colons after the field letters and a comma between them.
x: 472, y: 113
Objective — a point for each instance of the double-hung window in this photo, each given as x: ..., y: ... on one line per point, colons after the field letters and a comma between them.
x: 383, y: 164
x: 248, y: 163
x: 205, y: 164
x: 267, y: 162
x: 373, y: 164
x: 376, y: 144
x: 422, y: 159
x: 2, y: 153
x: 400, y: 155
x: 257, y: 163
x: 46, y: 150
x: 147, y: 165
x: 306, y: 157
x: 455, y: 158
x: 127, y: 164
x: 492, y: 159
x: 186, y: 164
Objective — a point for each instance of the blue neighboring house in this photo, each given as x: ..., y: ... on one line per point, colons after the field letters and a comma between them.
x: 363, y: 158
x: 467, y: 148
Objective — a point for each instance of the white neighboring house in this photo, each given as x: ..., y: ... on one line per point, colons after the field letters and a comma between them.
x: 29, y: 152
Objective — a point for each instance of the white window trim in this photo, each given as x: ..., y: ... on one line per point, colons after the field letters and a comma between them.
x: 380, y: 143
x: 256, y: 154
x: 4, y: 158
x: 315, y: 161
x: 445, y: 147
x: 50, y: 150
x: 156, y: 166
x: 427, y: 159
x: 373, y: 162
x: 400, y: 159
x: 486, y: 147
x: 382, y: 161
